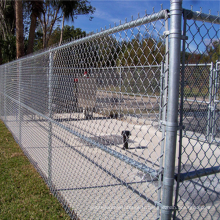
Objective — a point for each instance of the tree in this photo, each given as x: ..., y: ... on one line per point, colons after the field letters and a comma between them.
x: 195, y: 57
x: 56, y: 10
x: 147, y: 51
x: 38, y: 41
x: 7, y: 30
x: 68, y: 33
x: 108, y: 50
x: 36, y: 8
x: 19, y: 29
x: 71, y: 9
x: 8, y: 49
x: 7, y: 18
x: 44, y: 13
x: 213, y: 51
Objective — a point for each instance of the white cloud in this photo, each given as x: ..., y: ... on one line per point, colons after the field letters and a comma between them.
x: 104, y: 15
x: 209, y: 41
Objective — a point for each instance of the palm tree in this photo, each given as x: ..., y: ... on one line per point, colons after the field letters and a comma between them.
x: 68, y: 8
x: 71, y: 9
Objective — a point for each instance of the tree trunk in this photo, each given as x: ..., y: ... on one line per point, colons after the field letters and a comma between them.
x: 45, y: 37
x: 61, y: 34
x: 19, y: 29
x: 32, y: 34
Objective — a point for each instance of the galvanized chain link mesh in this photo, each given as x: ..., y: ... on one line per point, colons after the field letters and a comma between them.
x: 87, y: 115
x: 91, y: 117
x: 198, y: 191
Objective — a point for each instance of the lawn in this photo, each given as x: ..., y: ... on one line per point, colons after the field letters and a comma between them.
x: 23, y: 194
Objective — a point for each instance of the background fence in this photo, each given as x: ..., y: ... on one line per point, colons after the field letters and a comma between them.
x: 197, y: 194
x: 201, y: 89
x: 91, y: 115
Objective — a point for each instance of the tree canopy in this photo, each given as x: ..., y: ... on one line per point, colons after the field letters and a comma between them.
x: 44, y: 25
x: 41, y: 18
x: 7, y: 31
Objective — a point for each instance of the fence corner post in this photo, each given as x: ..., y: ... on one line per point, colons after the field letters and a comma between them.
x: 172, y: 108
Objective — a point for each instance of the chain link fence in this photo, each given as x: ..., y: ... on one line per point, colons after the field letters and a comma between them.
x: 87, y: 116
x: 200, y: 98
x: 98, y: 118
x: 197, y: 195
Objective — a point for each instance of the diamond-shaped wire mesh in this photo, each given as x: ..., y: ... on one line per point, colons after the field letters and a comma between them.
x: 91, y: 117
x: 87, y: 115
x: 198, y: 192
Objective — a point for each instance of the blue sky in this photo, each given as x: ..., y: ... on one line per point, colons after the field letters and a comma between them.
x: 109, y: 12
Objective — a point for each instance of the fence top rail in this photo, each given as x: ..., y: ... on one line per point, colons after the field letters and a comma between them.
x: 199, y: 16
x: 196, y: 64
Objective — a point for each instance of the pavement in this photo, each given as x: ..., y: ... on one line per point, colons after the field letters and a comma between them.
x: 98, y: 185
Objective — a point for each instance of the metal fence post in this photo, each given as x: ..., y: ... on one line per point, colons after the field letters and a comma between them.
x: 210, y: 106
x: 5, y: 94
x: 172, y: 112
x: 163, y: 106
x: 1, y: 96
x: 120, y: 91
x: 50, y: 116
x: 216, y: 102
x: 162, y: 76
x: 181, y: 111
x: 214, y: 108
x: 19, y: 100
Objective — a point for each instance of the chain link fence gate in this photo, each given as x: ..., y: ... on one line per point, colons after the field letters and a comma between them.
x: 197, y: 189
x: 88, y: 116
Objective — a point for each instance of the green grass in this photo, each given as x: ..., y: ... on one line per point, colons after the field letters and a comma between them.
x: 23, y: 193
